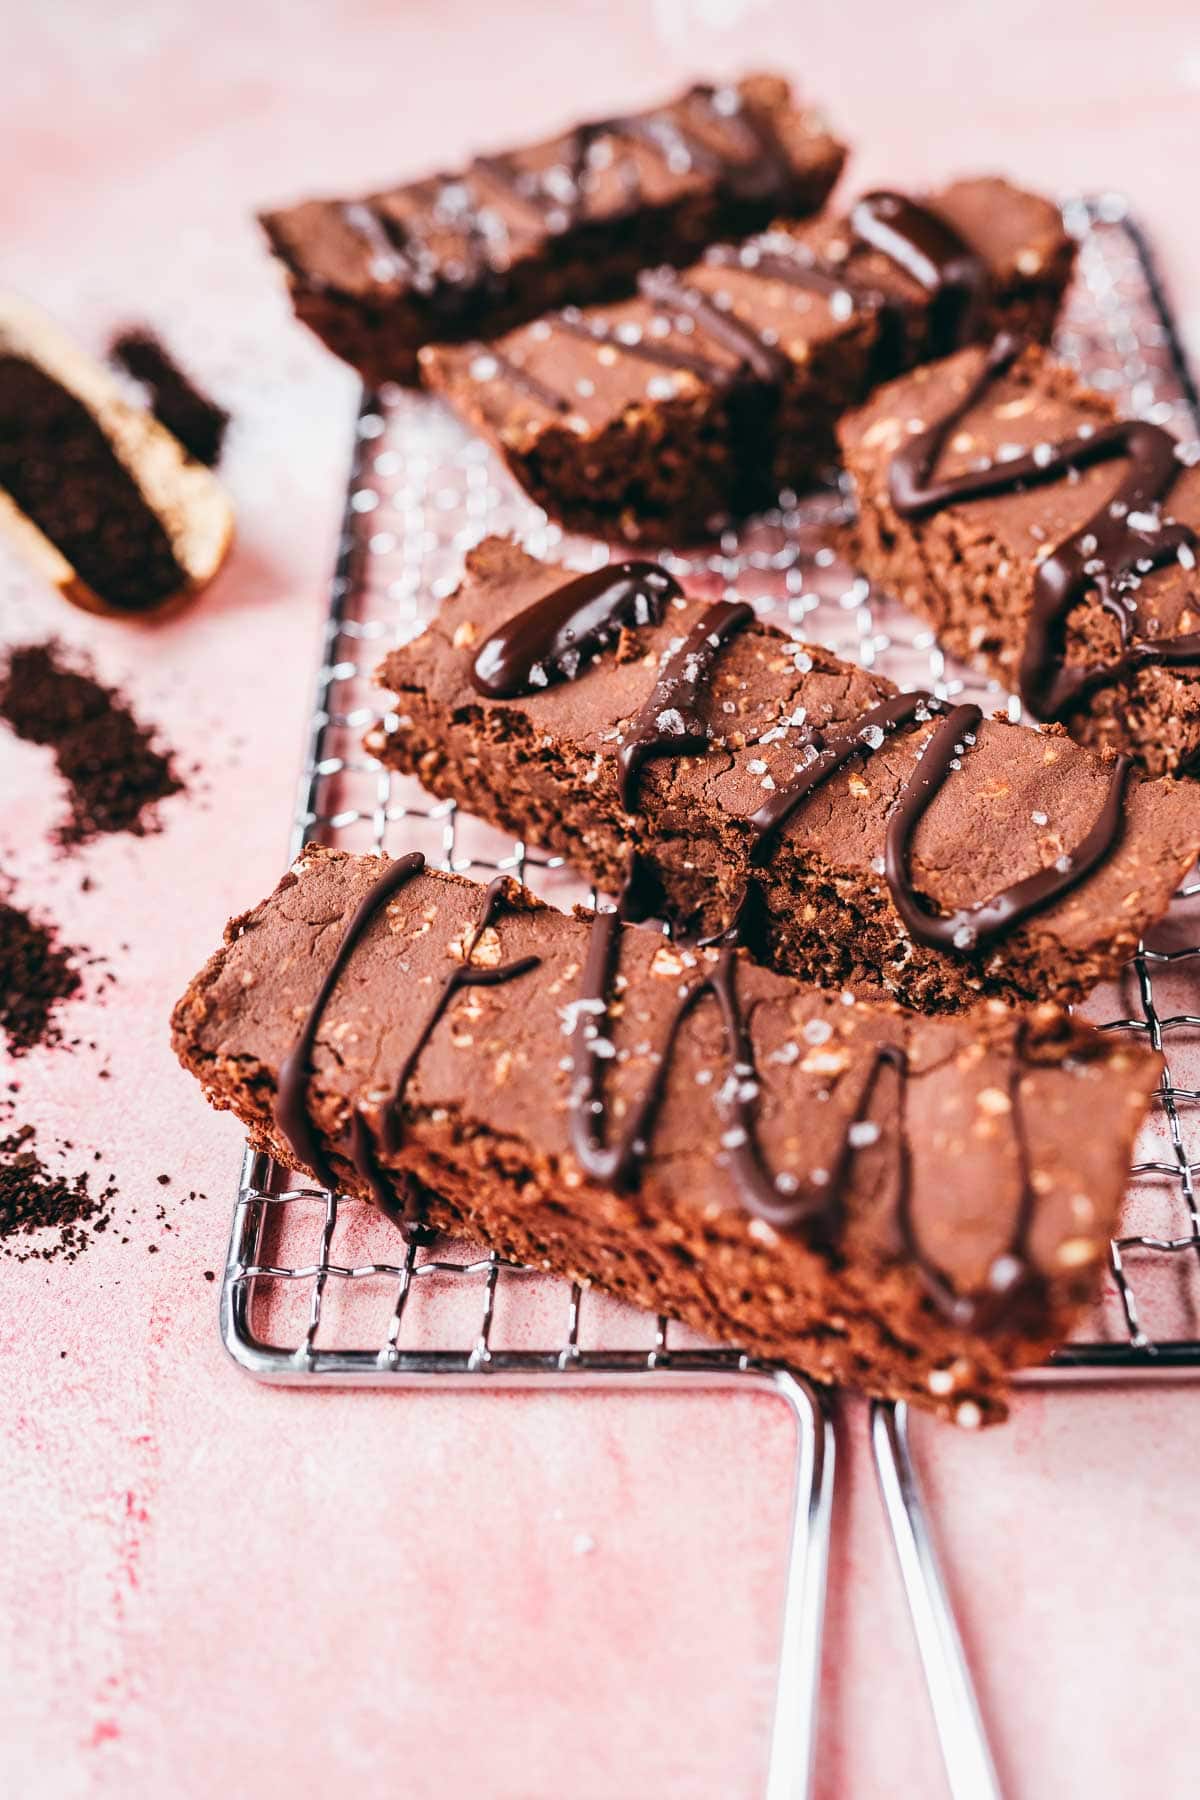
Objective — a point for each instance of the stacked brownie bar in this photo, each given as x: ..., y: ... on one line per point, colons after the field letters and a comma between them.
x: 654, y: 418
x: 571, y: 219
x: 890, y: 1202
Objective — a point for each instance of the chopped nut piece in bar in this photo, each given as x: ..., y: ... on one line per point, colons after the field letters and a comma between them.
x: 654, y: 418
x: 100, y: 496
x: 573, y: 218
x: 896, y: 1204
x: 733, y: 759
x: 1048, y: 540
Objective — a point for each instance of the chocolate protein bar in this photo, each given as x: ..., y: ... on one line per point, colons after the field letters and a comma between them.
x: 570, y: 219
x: 897, y: 1204
x: 883, y: 840
x: 655, y: 418
x: 1048, y: 539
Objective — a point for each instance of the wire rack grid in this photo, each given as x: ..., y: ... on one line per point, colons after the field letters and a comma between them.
x: 313, y: 1291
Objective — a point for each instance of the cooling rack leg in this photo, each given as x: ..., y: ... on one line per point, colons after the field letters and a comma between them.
x: 965, y: 1751
x: 793, y: 1731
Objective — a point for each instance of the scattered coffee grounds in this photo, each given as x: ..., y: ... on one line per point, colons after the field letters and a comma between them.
x: 108, y: 760
x: 36, y: 974
x: 198, y: 422
x: 61, y: 1213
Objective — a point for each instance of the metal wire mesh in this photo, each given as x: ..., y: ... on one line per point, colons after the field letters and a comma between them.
x: 314, y: 1286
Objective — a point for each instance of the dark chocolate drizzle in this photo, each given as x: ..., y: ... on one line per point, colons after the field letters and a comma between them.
x: 550, y: 640
x: 757, y: 361
x: 671, y: 722
x: 292, y: 1117
x: 617, y: 1161
x: 920, y: 243
x: 929, y: 250
x: 747, y: 160
x: 761, y: 360
x: 1012, y: 1272
x: 788, y: 261
x: 645, y: 347
x: 1107, y: 553
x: 291, y: 1101
x: 974, y: 927
x: 464, y: 974
x: 521, y: 378
x: 968, y: 928
x: 754, y: 166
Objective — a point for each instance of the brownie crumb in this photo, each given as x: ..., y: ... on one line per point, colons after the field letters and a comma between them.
x: 37, y: 973
x: 210, y: 1275
x: 107, y: 758
x: 33, y: 1202
x: 198, y: 422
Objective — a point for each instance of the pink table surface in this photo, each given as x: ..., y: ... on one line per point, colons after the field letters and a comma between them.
x: 209, y: 1587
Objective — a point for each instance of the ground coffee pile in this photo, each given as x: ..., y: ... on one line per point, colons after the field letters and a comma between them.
x: 60, y: 1213
x: 108, y: 760
x: 36, y: 973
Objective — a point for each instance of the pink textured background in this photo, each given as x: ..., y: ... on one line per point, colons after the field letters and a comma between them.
x: 210, y: 1587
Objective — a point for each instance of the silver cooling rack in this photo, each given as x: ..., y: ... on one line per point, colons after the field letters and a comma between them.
x: 314, y: 1291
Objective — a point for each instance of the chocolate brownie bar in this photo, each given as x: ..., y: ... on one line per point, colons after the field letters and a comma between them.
x: 1049, y: 541
x: 573, y: 218
x: 897, y: 1204
x: 99, y: 496
x: 654, y: 418
x: 610, y: 712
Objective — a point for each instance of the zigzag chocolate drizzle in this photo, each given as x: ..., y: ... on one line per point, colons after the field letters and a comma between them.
x: 649, y: 349
x: 919, y: 242
x: 558, y: 199
x: 663, y: 287
x: 968, y: 927
x: 671, y: 722
x: 291, y: 1102
x: 784, y: 1202
x: 1110, y: 551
